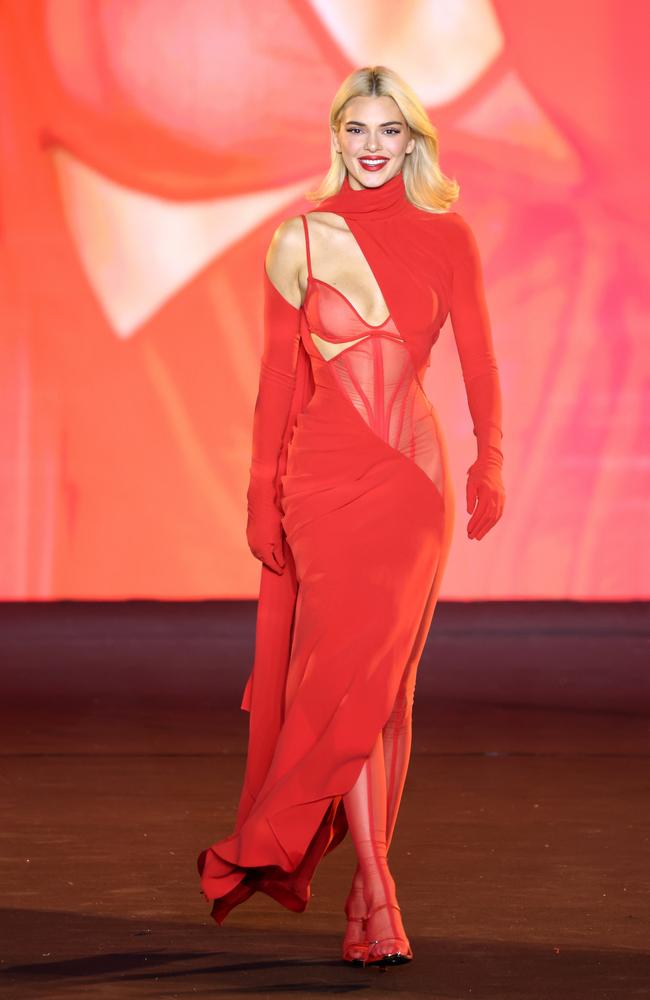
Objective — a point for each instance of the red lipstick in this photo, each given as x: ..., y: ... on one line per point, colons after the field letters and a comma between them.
x: 373, y: 162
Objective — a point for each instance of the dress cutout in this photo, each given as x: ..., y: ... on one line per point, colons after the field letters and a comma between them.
x: 349, y: 467
x: 374, y: 371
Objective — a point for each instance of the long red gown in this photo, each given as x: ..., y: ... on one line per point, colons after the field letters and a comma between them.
x: 349, y: 455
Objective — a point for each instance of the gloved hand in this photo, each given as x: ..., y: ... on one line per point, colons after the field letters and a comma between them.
x: 485, y: 494
x: 264, y: 532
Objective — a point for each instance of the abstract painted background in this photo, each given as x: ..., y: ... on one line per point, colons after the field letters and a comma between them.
x: 148, y: 150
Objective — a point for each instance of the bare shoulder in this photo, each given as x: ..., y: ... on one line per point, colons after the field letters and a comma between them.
x: 329, y: 232
x: 285, y: 257
x: 328, y: 221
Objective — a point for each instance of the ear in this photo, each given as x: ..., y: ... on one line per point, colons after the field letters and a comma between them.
x: 335, y: 139
x: 410, y: 145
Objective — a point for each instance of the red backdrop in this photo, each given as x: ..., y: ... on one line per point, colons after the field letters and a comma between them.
x: 149, y: 149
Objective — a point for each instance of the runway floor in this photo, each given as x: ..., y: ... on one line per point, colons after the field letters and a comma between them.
x: 522, y: 850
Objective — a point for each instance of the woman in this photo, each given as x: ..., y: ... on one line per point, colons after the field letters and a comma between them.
x: 350, y: 507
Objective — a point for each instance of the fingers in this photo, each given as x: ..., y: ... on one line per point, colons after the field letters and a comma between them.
x: 488, y: 511
x: 483, y: 519
x: 471, y: 495
x: 271, y: 553
x: 274, y: 565
x: 266, y: 554
x: 278, y: 555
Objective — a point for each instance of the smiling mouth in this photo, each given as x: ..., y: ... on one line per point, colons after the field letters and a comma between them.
x: 374, y: 163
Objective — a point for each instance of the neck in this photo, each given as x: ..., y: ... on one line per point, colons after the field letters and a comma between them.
x: 383, y: 201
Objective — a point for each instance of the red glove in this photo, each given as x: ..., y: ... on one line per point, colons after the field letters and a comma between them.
x: 473, y: 335
x: 264, y: 531
x: 485, y: 492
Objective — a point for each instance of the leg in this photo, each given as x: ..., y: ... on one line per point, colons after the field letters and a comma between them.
x: 366, y: 810
x: 397, y: 735
x: 397, y: 740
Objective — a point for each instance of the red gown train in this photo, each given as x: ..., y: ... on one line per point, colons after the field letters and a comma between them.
x: 350, y: 472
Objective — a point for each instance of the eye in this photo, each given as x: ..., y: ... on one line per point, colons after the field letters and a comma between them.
x: 391, y: 131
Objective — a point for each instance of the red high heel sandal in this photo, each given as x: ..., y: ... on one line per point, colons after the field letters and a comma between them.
x: 393, y: 957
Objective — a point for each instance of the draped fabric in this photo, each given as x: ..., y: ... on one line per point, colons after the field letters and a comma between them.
x: 435, y: 256
x: 350, y: 462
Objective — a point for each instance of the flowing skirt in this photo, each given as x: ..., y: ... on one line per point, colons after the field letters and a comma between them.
x: 369, y: 533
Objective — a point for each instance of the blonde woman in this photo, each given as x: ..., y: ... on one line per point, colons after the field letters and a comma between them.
x: 350, y: 507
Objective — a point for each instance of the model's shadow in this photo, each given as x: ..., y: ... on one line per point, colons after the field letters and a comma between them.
x: 68, y: 954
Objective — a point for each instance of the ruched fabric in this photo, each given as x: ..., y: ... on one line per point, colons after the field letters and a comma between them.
x: 350, y: 476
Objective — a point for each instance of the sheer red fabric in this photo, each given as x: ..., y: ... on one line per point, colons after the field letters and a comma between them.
x: 366, y: 808
x: 373, y: 368
x: 351, y: 510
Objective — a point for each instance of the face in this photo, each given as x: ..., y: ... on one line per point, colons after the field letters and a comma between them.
x: 373, y: 139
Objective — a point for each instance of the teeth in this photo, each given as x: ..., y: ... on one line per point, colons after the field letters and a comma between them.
x: 380, y: 159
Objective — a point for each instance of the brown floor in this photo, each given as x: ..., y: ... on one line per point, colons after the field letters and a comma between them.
x: 522, y: 851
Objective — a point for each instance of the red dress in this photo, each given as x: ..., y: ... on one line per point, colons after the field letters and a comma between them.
x: 350, y: 465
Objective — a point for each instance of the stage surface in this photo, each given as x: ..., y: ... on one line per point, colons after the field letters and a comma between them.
x: 522, y: 847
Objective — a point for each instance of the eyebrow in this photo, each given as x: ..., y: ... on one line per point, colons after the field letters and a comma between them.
x: 383, y: 124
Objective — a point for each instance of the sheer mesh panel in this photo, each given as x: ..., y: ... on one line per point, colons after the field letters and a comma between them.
x: 374, y: 370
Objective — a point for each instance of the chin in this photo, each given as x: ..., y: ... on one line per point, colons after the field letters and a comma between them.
x: 372, y: 179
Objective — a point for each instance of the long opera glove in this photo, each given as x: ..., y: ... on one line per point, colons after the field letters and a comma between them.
x: 276, y: 386
x: 473, y: 335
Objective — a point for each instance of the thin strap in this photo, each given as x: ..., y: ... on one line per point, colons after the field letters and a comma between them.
x: 304, y: 222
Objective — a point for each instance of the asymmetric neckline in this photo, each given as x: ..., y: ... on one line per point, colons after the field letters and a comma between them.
x: 379, y: 202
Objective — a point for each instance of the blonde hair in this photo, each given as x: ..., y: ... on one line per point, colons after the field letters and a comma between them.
x: 425, y: 184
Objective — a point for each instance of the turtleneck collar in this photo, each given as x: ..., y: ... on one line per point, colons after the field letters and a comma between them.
x: 377, y: 202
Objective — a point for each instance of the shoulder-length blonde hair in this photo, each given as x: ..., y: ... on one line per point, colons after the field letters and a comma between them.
x: 425, y: 184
